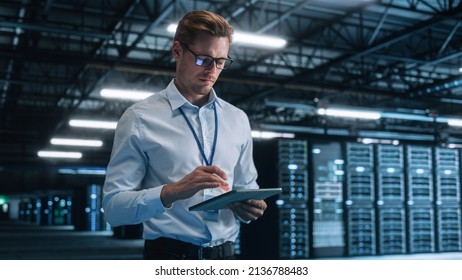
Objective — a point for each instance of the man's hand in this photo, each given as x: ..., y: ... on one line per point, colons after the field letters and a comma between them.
x: 249, y: 210
x: 203, y: 177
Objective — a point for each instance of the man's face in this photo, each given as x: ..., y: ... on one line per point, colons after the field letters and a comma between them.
x: 193, y: 81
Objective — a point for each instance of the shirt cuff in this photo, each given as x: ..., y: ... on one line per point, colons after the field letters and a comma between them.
x: 165, y: 208
x: 242, y: 220
x: 153, y: 199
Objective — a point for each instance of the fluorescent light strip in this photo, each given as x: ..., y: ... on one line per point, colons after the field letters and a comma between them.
x: 57, y: 154
x: 93, y: 124
x: 259, y: 40
x: 270, y: 134
x: 250, y: 39
x: 346, y: 113
x: 76, y: 142
x: 378, y: 141
x: 82, y: 171
x: 125, y: 94
x: 454, y: 122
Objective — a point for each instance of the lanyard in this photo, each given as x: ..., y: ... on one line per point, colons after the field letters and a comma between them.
x: 201, y: 148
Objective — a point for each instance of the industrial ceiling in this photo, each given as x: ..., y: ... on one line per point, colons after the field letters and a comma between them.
x: 399, y: 57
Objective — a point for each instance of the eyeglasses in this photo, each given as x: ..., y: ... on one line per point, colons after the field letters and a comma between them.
x: 205, y: 61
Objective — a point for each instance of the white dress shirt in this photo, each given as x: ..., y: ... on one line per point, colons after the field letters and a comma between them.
x: 154, y: 146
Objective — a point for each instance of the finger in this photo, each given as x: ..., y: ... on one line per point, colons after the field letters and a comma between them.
x: 257, y: 203
x: 217, y: 174
x: 223, y: 184
x: 215, y: 170
x: 210, y: 181
x: 245, y: 215
x: 247, y: 211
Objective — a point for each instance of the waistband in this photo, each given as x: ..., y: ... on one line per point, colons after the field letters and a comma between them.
x: 190, y: 251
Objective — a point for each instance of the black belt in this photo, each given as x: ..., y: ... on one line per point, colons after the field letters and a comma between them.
x: 184, y: 250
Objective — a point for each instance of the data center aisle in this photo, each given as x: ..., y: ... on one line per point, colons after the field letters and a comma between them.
x: 25, y: 241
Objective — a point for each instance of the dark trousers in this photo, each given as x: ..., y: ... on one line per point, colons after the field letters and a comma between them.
x: 171, y: 249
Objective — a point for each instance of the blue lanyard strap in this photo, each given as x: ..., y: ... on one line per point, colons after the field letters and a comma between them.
x: 201, y: 148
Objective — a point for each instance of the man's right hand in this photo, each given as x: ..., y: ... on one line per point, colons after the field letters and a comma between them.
x: 203, y: 177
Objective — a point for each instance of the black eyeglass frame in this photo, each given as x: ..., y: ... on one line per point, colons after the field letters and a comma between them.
x: 200, y: 61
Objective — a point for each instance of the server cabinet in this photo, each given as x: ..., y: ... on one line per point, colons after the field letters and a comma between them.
x: 55, y: 209
x: 292, y: 202
x: 95, y: 220
x: 390, y: 175
x: 448, y: 229
x: 421, y: 230
x: 419, y: 175
x: 447, y: 172
x: 328, y: 235
x: 392, y: 230
x: 294, y: 233
x: 360, y: 198
x: 361, y: 231
x: 360, y: 173
x: 390, y: 199
x: 447, y: 190
x: 420, y: 199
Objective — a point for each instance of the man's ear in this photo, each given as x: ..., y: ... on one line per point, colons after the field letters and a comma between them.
x: 176, y: 49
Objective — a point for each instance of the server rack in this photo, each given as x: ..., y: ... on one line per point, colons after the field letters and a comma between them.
x: 448, y: 229
x: 447, y: 176
x: 328, y: 234
x: 396, y: 199
x: 360, y: 197
x: 421, y: 230
x: 361, y: 231
x: 420, y: 175
x: 55, y: 209
x: 390, y: 175
x: 95, y: 220
x: 391, y: 216
x: 328, y: 228
x: 392, y: 230
x: 447, y: 190
x: 420, y: 198
x: 292, y: 202
x: 24, y: 212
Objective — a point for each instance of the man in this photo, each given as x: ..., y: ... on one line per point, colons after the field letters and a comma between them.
x: 180, y: 147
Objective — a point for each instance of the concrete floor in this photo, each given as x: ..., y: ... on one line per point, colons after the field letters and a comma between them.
x: 26, y: 241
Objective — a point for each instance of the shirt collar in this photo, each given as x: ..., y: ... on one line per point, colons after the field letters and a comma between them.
x: 177, y: 100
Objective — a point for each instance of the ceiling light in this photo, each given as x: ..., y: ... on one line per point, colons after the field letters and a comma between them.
x: 269, y: 134
x: 76, y: 142
x: 454, y: 146
x: 172, y: 28
x: 83, y: 171
x: 455, y: 122
x: 56, y: 154
x: 346, y: 113
x: 93, y: 124
x: 124, y: 94
x: 259, y: 40
x: 249, y: 39
x: 378, y: 141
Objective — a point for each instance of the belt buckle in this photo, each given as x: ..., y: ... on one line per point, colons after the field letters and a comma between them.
x: 200, y: 253
x: 203, y: 254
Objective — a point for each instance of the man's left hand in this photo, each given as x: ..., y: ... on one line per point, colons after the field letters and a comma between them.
x: 249, y: 210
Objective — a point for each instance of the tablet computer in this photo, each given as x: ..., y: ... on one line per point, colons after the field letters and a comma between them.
x: 222, y: 201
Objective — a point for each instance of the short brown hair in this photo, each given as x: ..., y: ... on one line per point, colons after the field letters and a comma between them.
x: 205, y: 22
